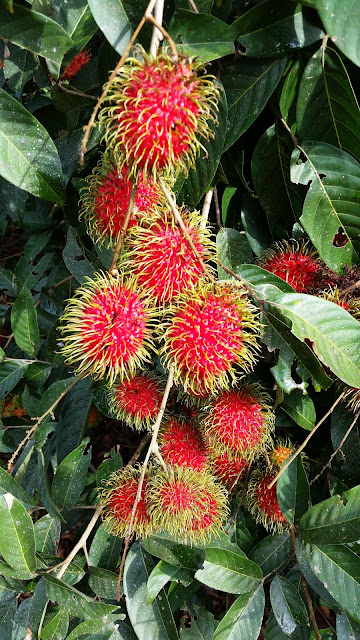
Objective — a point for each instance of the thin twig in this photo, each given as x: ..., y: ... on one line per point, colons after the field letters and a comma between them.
x: 58, y: 284
x: 303, y: 445
x: 13, y: 255
x: 193, y: 6
x: 217, y: 209
x: 157, y: 36
x: 343, y: 292
x: 74, y: 92
x: 141, y: 446
x: 113, y: 267
x: 79, y: 545
x: 306, y: 591
x: 328, y: 464
x: 206, y: 207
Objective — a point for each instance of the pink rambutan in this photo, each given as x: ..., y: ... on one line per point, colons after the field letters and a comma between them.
x: 262, y: 502
x: 298, y: 266
x: 228, y: 469
x: 155, y: 111
x: 137, y: 400
x: 76, y: 64
x: 160, y: 256
x: 117, y: 500
x: 181, y: 445
x: 106, y: 197
x: 211, y: 328
x: 107, y: 328
x: 241, y: 420
x: 189, y: 505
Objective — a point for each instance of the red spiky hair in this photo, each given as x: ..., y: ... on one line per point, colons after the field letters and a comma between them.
x: 117, y: 499
x: 105, y: 200
x: 296, y: 264
x: 156, y: 110
x: 263, y: 504
x: 137, y: 401
x: 212, y: 328
x: 161, y: 257
x: 107, y: 328
x: 76, y: 64
x: 181, y: 445
x: 188, y: 504
x: 228, y: 469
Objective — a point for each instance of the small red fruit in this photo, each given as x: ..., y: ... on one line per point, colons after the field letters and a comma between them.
x: 181, y: 445
x: 262, y: 502
x: 280, y: 453
x: 298, y: 266
x: 137, y: 401
x: 227, y: 469
x: 76, y: 64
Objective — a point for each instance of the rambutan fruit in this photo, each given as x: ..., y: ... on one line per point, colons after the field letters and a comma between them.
x: 352, y: 398
x: 76, y: 64
x: 211, y: 328
x: 117, y: 500
x: 181, y: 445
x: 300, y: 267
x: 190, y: 505
x: 107, y: 329
x: 12, y: 406
x: 280, y: 452
x: 161, y: 258
x: 241, y: 420
x: 156, y: 110
x: 263, y: 504
x: 137, y: 400
x: 227, y: 468
x: 105, y: 200
x: 352, y: 305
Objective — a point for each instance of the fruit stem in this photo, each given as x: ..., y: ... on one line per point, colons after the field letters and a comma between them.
x: 206, y: 207
x: 157, y: 36
x: 170, y: 41
x: 113, y: 267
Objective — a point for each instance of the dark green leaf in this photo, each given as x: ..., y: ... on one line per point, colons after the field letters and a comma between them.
x: 103, y: 583
x: 349, y: 455
x: 244, y: 618
x: 228, y: 571
x: 300, y: 408
x: 289, y: 90
x: 336, y: 520
x: 6, y: 282
x: 105, y: 550
x: 11, y: 372
x: 341, y: 19
x: 73, y: 601
x: 288, y: 606
x: 292, y: 490
x: 162, y: 573
x: 234, y: 250
x: 74, y: 417
x: 24, y: 323
x: 57, y: 628
x: 111, y: 463
x: 346, y: 627
x: 27, y: 274
x: 69, y: 478
x: 36, y: 243
x: 52, y: 393
x: 47, y: 534
x: 100, y: 629
x: 74, y: 258
x: 163, y: 547
x: 29, y: 157
x: 202, y: 35
x: 274, y: 632
x: 255, y: 277
x: 17, y: 539
x: 43, y: 487
x: 201, y: 627
x: 271, y: 552
x: 6, y: 619
x: 36, y: 374
x: 19, y: 67
x: 119, y: 29
x: 9, y: 485
x: 29, y: 614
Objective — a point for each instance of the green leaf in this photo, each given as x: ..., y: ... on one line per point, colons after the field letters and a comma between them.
x: 99, y: 629
x: 336, y: 520
x: 244, y: 618
x: 119, y: 29
x: 300, y: 408
x: 74, y: 258
x: 19, y: 67
x: 73, y: 601
x: 153, y: 620
x: 105, y: 550
x: 36, y: 243
x: 338, y: 568
x: 254, y: 277
x: 332, y: 201
x: 201, y: 627
x: 7, y: 619
x: 47, y: 534
x: 341, y: 19
x: 162, y: 573
x: 35, y: 32
x: 248, y: 86
x: 288, y: 606
x: 43, y: 487
x: 289, y: 90
x: 293, y: 492
x: 11, y: 372
x: 24, y: 323
x: 234, y: 250
x: 348, y: 457
x: 103, y: 583
x: 9, y: 485
x: 69, y: 478
x: 201, y: 35
x: 269, y: 30
x: 6, y: 282
x: 36, y: 374
x: 228, y: 571
x: 57, y: 628
x: 274, y: 632
x: 29, y: 157
x: 52, y: 393
x: 327, y: 108
x: 163, y: 547
x: 346, y: 627
x: 17, y: 539
x: 113, y: 462
x: 271, y: 552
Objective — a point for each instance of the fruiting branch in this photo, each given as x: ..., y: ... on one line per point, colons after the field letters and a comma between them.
x: 206, y: 207
x: 80, y: 544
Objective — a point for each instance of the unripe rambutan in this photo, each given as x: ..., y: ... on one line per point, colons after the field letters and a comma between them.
x: 156, y: 110
x: 263, y: 504
x: 76, y: 64
x: 297, y: 265
x: 280, y: 452
x: 137, y: 400
x: 106, y: 197
x: 351, y: 398
x: 352, y: 305
x: 106, y: 329
x: 161, y: 258
x: 117, y: 499
x: 226, y: 468
x: 240, y: 420
x: 212, y: 328
x: 190, y: 505
x: 181, y: 445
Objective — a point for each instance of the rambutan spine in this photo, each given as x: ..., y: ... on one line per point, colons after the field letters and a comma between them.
x: 262, y: 502
x: 181, y: 445
x: 137, y: 400
x: 296, y: 263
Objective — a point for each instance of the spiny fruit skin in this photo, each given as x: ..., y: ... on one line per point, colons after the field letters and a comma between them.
x: 190, y: 505
x: 137, y: 400
x: 280, y: 453
x: 76, y: 64
x: 117, y: 499
x: 107, y: 329
x: 297, y: 265
x: 263, y: 503
x: 161, y: 258
x: 156, y: 111
x: 352, y: 398
x: 352, y: 305
x: 181, y: 445
x: 105, y: 200
x: 241, y: 420
x: 226, y: 468
x: 211, y: 328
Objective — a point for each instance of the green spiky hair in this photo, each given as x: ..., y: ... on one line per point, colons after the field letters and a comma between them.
x: 211, y: 329
x: 107, y: 328
x: 262, y: 502
x: 156, y: 110
x: 190, y: 505
x: 137, y: 400
x: 350, y: 304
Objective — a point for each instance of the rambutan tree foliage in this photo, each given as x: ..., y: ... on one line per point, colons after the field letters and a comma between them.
x: 180, y: 337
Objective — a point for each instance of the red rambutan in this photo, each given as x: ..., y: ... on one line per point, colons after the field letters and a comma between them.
x: 241, y: 420
x: 117, y: 499
x: 263, y: 504
x: 76, y: 64
x: 137, y: 400
x: 188, y: 504
x: 181, y: 445
x: 155, y: 111
x: 298, y: 266
x: 106, y: 197
x: 160, y: 256
x: 107, y: 329
x: 228, y: 469
x: 212, y: 328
